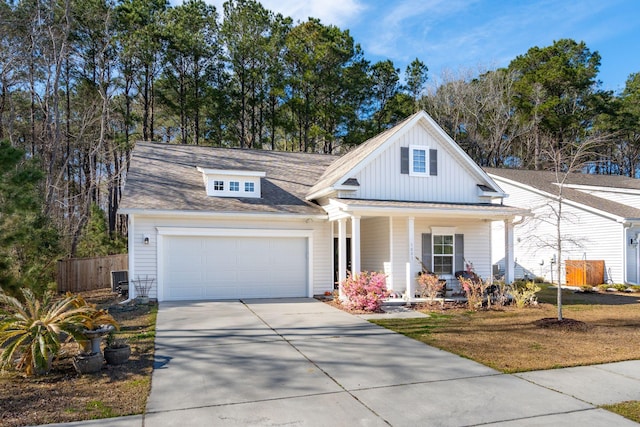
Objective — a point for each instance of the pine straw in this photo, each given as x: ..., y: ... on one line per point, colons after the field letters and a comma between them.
x: 64, y: 396
x: 598, y: 328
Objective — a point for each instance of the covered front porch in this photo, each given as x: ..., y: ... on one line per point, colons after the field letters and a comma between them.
x: 402, y: 238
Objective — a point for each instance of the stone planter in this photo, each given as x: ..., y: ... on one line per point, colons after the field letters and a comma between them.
x: 142, y: 300
x: 88, y: 363
x: 94, y: 338
x: 117, y: 355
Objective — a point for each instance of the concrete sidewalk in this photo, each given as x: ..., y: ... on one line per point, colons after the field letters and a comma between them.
x: 302, y: 362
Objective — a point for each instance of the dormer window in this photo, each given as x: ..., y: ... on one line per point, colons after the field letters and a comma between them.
x: 232, y: 183
x: 419, y: 161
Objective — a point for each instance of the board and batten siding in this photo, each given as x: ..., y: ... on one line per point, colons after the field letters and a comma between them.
x: 586, y: 235
x: 145, y: 258
x: 374, y: 244
x: 381, y: 178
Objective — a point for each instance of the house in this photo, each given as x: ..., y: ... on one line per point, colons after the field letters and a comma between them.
x: 600, y: 221
x: 216, y: 223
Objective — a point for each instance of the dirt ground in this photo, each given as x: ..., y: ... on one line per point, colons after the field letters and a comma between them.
x: 64, y: 396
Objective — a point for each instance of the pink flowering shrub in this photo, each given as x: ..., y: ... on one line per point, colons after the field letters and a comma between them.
x: 365, y: 291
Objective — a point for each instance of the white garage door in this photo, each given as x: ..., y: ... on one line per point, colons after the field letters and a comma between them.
x: 196, y: 267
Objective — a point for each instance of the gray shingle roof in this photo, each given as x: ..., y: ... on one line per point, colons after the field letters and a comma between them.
x: 546, y: 181
x: 436, y: 206
x: 350, y: 160
x: 164, y: 177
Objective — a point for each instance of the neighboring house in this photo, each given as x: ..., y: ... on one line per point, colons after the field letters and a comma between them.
x: 600, y: 221
x: 215, y: 223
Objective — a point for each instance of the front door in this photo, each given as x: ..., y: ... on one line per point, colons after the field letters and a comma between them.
x: 336, y: 259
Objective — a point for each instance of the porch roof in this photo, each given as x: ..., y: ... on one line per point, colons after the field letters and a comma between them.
x: 339, y: 208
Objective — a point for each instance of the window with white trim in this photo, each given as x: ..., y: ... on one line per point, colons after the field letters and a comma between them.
x: 419, y: 161
x: 249, y: 187
x: 443, y: 254
x: 234, y: 186
x: 218, y: 185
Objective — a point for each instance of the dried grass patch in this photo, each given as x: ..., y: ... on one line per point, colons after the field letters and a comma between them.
x: 516, y: 340
x: 64, y: 396
x: 630, y: 410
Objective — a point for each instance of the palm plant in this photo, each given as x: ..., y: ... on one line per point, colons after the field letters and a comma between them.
x: 30, y: 331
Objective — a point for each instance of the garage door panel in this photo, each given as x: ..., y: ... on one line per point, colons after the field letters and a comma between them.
x: 185, y: 292
x: 196, y: 267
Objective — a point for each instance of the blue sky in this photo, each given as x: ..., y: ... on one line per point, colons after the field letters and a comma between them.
x: 467, y: 35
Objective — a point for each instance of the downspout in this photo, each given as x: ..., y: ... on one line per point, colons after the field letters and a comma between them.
x: 130, y: 246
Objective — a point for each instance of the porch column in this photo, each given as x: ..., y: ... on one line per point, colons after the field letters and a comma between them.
x: 355, y: 245
x: 411, y: 273
x: 509, y: 260
x: 342, y: 253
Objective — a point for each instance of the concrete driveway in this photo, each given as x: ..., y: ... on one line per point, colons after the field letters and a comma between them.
x: 302, y: 362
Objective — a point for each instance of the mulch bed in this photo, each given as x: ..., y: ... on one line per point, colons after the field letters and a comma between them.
x: 63, y: 395
x: 564, y: 324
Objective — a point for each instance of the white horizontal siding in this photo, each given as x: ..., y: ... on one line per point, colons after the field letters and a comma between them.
x: 145, y: 256
x: 399, y: 253
x: 381, y: 178
x: 584, y: 235
x: 374, y: 243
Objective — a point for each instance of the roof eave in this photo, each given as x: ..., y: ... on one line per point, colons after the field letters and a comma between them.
x: 219, y: 214
x: 496, y: 212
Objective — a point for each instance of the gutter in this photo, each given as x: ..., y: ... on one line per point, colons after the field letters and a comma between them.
x: 270, y: 215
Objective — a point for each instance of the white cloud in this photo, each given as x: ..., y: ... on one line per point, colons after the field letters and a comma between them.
x: 341, y: 13
x: 335, y: 12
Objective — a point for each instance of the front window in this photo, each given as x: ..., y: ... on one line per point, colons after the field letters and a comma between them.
x: 218, y: 185
x: 249, y: 187
x: 443, y: 254
x: 418, y: 161
x: 234, y: 186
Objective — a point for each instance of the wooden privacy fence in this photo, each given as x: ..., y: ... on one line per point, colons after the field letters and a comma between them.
x: 86, y: 274
x: 585, y: 272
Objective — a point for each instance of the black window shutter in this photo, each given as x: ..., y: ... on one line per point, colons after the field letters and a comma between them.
x: 459, y: 256
x: 404, y: 160
x: 427, y: 250
x: 433, y: 162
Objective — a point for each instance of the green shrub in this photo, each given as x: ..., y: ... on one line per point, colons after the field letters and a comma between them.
x: 30, y: 330
x: 524, y: 294
x: 620, y: 287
